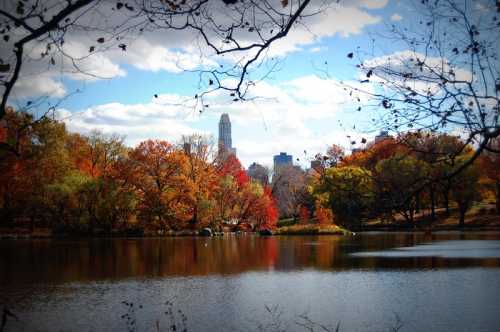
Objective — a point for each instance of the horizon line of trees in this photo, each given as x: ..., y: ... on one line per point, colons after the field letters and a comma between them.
x: 404, y: 176
x: 86, y: 183
x: 93, y: 183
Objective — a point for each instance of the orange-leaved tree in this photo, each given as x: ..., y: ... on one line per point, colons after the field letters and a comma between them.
x: 159, y: 175
x: 323, y: 215
x: 304, y: 215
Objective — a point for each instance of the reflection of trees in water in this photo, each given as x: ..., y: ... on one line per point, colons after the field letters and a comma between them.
x: 65, y: 260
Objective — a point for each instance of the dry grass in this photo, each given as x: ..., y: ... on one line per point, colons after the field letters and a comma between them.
x: 312, y: 229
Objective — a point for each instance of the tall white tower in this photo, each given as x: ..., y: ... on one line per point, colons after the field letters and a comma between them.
x: 225, y: 141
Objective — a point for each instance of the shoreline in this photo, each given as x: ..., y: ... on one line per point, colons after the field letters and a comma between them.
x: 310, y: 231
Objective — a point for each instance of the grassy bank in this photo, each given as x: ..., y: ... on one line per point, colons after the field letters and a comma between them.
x: 312, y: 229
x: 481, y: 217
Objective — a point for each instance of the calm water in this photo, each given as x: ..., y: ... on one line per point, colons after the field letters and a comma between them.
x: 368, y: 282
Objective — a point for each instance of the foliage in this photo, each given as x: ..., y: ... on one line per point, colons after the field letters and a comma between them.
x: 323, y: 215
x: 78, y: 183
x: 490, y: 165
x: 398, y: 179
x: 289, y: 189
x: 347, y: 191
x: 304, y: 215
x: 464, y: 189
x: 94, y: 184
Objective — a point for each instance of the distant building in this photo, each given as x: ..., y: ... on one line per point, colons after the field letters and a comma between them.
x: 382, y: 136
x: 316, y: 165
x: 258, y: 173
x: 282, y: 159
x: 225, y: 139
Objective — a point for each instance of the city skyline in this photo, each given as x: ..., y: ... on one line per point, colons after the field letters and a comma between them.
x: 225, y: 147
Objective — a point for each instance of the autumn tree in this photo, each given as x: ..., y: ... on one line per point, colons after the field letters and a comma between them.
x: 490, y: 166
x: 288, y: 186
x: 251, y: 203
x: 334, y: 155
x: 348, y: 191
x: 201, y: 170
x: 398, y: 181
x: 159, y: 174
x: 304, y: 214
x: 259, y: 207
x: 464, y: 188
x: 323, y: 215
x: 270, y: 219
x: 438, y: 152
x: 103, y: 151
x: 41, y: 159
x: 232, y: 166
x: 226, y: 199
x: 369, y: 157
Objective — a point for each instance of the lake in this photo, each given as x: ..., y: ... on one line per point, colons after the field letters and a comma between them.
x: 367, y: 282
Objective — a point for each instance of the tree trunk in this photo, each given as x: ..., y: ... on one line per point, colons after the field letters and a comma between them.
x: 446, y: 196
x: 412, y: 219
x: 194, y: 220
x: 417, y: 196
x: 433, y: 203
x: 462, y: 209
x: 498, y: 196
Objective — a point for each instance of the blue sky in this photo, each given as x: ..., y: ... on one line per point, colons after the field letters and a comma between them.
x: 300, y: 109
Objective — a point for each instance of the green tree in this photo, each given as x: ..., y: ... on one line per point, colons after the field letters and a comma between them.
x: 348, y: 191
x: 399, y: 179
x: 464, y: 188
x: 65, y: 202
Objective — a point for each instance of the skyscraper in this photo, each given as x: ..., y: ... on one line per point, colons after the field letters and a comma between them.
x: 225, y: 141
x: 281, y: 160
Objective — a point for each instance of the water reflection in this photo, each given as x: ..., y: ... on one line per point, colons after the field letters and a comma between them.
x: 56, y: 261
x: 481, y: 249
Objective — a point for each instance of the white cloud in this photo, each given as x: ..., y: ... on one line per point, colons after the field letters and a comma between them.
x: 79, y: 64
x: 302, y: 148
x: 406, y: 62
x: 396, y: 17
x: 342, y: 20
x: 38, y: 85
x: 282, y: 121
x: 40, y: 77
x: 172, y: 51
x: 372, y: 4
x: 137, y: 122
x: 147, y: 56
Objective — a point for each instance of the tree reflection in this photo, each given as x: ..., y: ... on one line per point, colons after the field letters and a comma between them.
x: 114, y: 259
